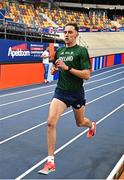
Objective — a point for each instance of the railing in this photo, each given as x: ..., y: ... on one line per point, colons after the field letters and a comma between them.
x: 13, y: 30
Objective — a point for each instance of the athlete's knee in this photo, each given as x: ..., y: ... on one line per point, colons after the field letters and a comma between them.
x: 51, y: 122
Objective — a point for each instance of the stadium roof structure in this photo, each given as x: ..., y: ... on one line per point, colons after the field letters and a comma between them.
x: 108, y: 2
x: 98, y: 4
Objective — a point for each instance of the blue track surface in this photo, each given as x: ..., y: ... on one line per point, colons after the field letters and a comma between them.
x: 23, y: 124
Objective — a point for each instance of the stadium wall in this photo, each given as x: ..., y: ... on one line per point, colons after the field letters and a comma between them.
x: 100, y: 62
x: 18, y: 71
x: 14, y: 75
x: 21, y: 63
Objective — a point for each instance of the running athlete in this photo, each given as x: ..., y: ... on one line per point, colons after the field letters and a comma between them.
x: 73, y: 64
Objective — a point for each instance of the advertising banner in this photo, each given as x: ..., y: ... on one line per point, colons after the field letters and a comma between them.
x: 12, y: 51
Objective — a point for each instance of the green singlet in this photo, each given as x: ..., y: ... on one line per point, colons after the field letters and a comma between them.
x: 76, y: 57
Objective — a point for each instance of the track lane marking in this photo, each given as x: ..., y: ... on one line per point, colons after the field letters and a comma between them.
x: 24, y: 99
x: 66, y: 144
x: 36, y: 107
x: 104, y: 85
x: 41, y: 124
x: 116, y: 168
x: 21, y: 112
x: 97, y: 80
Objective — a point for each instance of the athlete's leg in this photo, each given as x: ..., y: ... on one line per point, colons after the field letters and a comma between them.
x: 57, y: 107
x: 80, y: 118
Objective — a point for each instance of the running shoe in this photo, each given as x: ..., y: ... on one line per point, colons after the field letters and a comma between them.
x: 48, y: 168
x: 92, y: 131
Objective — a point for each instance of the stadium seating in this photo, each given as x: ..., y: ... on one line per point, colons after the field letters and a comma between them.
x: 49, y: 18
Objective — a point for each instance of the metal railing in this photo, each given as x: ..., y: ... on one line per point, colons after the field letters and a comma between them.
x: 13, y: 30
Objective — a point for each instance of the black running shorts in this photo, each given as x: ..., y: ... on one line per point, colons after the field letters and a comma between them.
x: 76, y: 99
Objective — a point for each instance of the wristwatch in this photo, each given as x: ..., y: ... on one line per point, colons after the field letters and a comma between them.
x: 69, y: 68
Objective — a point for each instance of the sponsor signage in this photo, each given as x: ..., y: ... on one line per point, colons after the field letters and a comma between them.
x: 12, y: 51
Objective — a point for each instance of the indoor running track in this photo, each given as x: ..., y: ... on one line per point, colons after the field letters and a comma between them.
x: 23, y: 125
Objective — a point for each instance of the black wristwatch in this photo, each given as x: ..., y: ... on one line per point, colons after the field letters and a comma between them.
x: 69, y: 68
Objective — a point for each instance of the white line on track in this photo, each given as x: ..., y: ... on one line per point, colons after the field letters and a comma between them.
x: 97, y: 80
x: 33, y: 89
x: 28, y: 130
x: 24, y: 99
x: 116, y: 168
x: 19, y: 134
x: 104, y: 85
x: 66, y: 144
x: 36, y: 107
x: 111, y: 70
x: 27, y: 110
x: 20, y: 100
x: 12, y: 137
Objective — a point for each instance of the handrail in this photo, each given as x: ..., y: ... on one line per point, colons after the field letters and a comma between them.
x: 10, y: 28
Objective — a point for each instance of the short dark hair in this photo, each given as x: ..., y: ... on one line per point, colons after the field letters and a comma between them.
x: 74, y: 25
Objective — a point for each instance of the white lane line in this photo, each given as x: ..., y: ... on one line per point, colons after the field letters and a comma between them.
x: 15, y: 114
x: 28, y: 130
x: 24, y: 99
x: 97, y: 80
x: 105, y: 95
x: 107, y: 71
x: 33, y: 89
x: 12, y: 102
x: 36, y: 107
x: 104, y: 85
x: 21, y: 112
x: 12, y: 137
x: 65, y: 145
x: 116, y: 168
x: 19, y: 134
